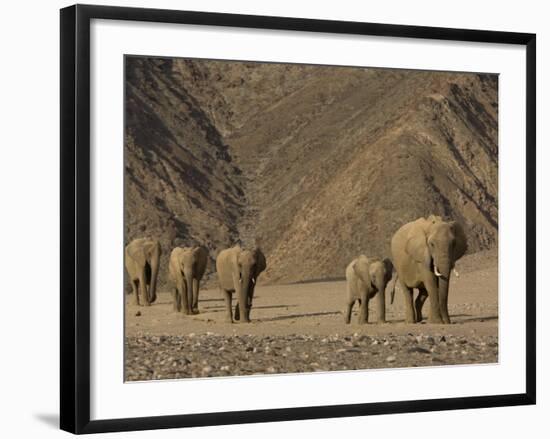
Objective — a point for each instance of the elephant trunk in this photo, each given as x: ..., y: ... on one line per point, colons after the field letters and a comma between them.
x: 246, y: 278
x: 154, y: 276
x: 188, y: 273
x: 380, y: 283
x: 443, y: 267
x: 392, y: 291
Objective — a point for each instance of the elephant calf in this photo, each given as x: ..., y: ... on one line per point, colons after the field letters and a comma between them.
x: 187, y: 266
x: 367, y: 277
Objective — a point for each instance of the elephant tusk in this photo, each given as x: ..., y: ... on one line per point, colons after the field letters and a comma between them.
x: 436, y: 271
x: 456, y: 272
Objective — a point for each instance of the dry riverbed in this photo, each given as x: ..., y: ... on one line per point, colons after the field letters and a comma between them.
x: 300, y: 328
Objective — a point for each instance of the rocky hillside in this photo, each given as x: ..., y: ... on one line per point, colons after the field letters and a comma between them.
x: 319, y: 164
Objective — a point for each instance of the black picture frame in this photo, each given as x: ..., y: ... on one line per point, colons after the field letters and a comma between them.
x: 75, y: 217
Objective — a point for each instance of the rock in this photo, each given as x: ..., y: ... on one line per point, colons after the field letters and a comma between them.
x: 138, y: 314
x: 391, y: 359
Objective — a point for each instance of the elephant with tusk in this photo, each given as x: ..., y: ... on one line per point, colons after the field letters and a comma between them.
x: 424, y: 254
x: 142, y: 258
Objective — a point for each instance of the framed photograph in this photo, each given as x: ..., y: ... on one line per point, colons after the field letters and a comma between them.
x: 268, y: 218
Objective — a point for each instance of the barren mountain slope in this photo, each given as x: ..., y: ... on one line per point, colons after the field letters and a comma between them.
x: 180, y: 184
x: 333, y: 160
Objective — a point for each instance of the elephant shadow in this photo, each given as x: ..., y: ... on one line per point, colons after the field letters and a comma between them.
x: 319, y: 280
x: 220, y: 308
x: 468, y: 318
x: 297, y: 316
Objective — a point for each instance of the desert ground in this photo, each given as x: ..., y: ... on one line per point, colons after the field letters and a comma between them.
x: 299, y: 328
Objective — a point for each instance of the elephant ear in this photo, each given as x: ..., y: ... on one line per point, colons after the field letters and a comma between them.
x: 461, y: 243
x: 261, y: 264
x: 388, y: 265
x: 417, y: 248
x: 361, y: 268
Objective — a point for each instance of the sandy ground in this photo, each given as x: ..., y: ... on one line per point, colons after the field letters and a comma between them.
x: 301, y: 320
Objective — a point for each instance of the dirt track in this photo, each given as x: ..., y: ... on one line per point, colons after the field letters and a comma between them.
x: 300, y: 327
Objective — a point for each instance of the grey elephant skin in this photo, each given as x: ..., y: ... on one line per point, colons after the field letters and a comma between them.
x: 424, y: 253
x: 142, y: 258
x: 186, y: 267
x: 366, y: 278
x: 238, y: 270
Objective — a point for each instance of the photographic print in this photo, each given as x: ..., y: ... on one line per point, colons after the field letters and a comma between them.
x: 288, y: 218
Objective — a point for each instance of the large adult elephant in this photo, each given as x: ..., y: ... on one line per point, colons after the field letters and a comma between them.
x: 238, y: 270
x: 142, y: 257
x: 186, y: 268
x: 424, y: 253
x: 366, y: 278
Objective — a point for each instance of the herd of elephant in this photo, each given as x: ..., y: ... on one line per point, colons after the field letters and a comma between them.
x: 424, y: 253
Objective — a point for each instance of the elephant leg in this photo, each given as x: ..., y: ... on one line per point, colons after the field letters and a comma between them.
x: 227, y: 296
x: 433, y: 293
x: 143, y: 289
x: 347, y: 311
x: 175, y: 298
x: 178, y: 299
x: 364, y: 308
x: 237, y: 311
x: 195, y: 296
x: 409, y: 310
x: 381, y: 306
x: 419, y: 303
x: 182, y: 288
x: 243, y: 307
x: 135, y: 291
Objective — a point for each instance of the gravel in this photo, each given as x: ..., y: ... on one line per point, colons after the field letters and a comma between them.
x: 211, y: 355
